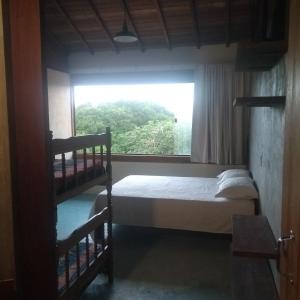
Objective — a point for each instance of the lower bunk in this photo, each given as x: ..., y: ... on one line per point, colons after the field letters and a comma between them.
x: 81, y: 256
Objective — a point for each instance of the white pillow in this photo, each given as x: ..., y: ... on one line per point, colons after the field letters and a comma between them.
x: 237, y: 188
x: 233, y: 173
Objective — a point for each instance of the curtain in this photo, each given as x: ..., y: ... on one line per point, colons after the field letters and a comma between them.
x: 219, y: 131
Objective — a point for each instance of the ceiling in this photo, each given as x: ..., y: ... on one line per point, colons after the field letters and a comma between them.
x: 89, y: 25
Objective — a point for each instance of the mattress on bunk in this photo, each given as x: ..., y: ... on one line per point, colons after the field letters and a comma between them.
x: 70, y: 178
x: 187, y: 203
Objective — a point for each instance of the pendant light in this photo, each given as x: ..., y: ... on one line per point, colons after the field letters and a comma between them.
x: 125, y: 36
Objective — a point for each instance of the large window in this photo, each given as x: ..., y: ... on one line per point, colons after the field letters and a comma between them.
x: 144, y: 118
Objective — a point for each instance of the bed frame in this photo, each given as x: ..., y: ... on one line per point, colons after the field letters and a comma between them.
x: 88, y: 250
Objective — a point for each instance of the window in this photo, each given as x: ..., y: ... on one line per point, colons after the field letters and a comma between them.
x: 144, y: 118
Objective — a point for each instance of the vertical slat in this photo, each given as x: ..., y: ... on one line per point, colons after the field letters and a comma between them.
x: 63, y: 167
x: 77, y: 260
x: 67, y: 270
x: 109, y: 205
x: 95, y: 248
x: 94, y: 161
x: 85, y: 164
x: 87, y: 251
x: 101, y: 157
x: 75, y: 167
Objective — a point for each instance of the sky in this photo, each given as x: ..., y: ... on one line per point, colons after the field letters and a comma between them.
x: 176, y: 97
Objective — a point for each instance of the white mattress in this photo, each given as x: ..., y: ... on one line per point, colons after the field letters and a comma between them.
x: 172, y: 202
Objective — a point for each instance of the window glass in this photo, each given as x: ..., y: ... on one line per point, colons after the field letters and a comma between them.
x: 144, y: 118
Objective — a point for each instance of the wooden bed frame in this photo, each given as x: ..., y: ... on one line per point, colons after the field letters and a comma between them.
x: 90, y: 255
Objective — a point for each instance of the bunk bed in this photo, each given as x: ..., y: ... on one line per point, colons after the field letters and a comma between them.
x: 79, y: 163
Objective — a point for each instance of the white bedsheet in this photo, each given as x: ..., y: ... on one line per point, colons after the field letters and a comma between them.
x: 172, y: 202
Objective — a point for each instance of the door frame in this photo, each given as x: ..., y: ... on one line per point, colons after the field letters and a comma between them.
x: 291, y: 192
x: 33, y: 204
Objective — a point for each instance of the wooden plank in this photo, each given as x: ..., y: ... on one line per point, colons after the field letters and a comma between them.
x: 259, y: 101
x: 102, y: 23
x: 73, y: 25
x: 163, y: 23
x: 228, y: 22
x: 252, y: 279
x: 195, y: 16
x: 128, y: 13
x: 252, y: 236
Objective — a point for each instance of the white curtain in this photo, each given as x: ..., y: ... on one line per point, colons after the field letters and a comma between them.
x: 219, y: 133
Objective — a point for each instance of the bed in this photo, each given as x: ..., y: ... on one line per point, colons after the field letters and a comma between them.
x: 79, y: 163
x: 186, y: 203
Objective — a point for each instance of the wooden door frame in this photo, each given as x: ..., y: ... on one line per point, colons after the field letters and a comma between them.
x: 291, y: 191
x: 34, y: 213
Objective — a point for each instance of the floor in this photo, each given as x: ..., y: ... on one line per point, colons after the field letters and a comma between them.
x: 156, y: 264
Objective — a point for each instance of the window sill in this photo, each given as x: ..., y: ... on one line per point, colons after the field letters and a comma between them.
x: 151, y: 158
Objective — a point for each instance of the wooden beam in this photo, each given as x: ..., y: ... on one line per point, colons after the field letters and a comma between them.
x: 73, y: 25
x: 228, y: 22
x: 101, y: 21
x: 194, y: 11
x: 128, y: 13
x: 163, y: 23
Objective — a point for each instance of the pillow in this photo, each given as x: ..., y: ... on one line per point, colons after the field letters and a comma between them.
x: 233, y: 173
x: 237, y: 188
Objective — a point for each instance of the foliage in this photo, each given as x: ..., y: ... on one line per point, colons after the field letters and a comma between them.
x: 137, y: 127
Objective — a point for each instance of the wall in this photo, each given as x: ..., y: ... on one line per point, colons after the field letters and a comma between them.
x: 150, y: 60
x: 6, y: 222
x: 59, y: 101
x: 122, y: 169
x: 266, y: 144
x: 266, y: 147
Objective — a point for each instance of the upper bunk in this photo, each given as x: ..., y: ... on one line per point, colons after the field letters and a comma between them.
x: 79, y: 163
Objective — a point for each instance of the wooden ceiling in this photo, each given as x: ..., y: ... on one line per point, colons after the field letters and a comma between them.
x: 89, y: 25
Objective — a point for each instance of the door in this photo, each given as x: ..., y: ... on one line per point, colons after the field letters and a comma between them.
x: 290, y: 257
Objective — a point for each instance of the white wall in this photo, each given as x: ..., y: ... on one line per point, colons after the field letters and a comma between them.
x: 122, y: 169
x: 150, y: 60
x: 59, y: 101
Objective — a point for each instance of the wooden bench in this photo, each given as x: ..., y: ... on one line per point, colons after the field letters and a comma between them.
x: 253, y: 244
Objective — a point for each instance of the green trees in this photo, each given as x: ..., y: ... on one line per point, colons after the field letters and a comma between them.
x: 137, y: 127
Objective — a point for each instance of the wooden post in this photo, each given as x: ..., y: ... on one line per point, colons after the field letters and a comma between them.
x: 34, y: 216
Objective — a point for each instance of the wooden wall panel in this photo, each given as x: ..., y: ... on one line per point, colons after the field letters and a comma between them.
x: 290, y: 287
x: 33, y: 205
x: 6, y: 229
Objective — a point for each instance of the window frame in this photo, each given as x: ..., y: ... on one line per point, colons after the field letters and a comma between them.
x: 179, y: 76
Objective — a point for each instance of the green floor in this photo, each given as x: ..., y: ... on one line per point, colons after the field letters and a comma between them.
x: 156, y: 264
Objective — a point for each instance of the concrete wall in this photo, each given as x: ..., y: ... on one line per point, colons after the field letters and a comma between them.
x: 6, y: 222
x: 266, y: 144
x: 266, y: 147
x: 59, y: 101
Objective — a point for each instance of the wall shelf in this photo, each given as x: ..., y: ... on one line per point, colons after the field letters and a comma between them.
x: 259, y: 56
x: 259, y: 101
x: 253, y: 244
x: 253, y: 237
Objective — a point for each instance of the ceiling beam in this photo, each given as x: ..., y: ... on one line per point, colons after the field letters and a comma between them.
x: 163, y: 23
x: 228, y: 22
x: 101, y: 21
x: 194, y: 11
x: 128, y: 13
x: 73, y: 25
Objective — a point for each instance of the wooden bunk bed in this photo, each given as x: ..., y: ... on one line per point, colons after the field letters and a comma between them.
x: 79, y: 163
